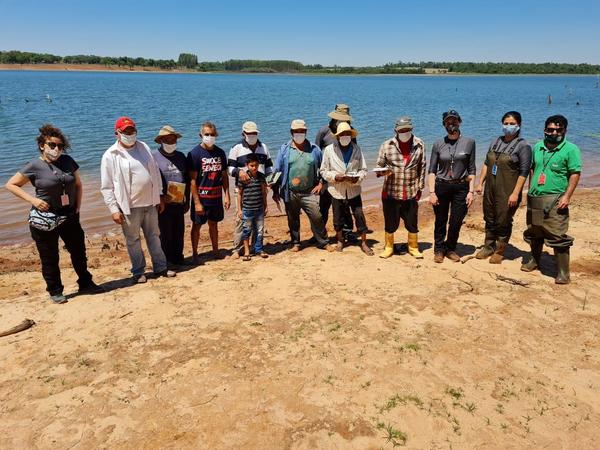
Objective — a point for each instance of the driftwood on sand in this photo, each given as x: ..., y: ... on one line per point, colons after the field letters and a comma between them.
x: 26, y: 324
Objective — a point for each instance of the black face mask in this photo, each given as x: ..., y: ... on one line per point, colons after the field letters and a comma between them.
x: 553, y: 138
x: 451, y: 129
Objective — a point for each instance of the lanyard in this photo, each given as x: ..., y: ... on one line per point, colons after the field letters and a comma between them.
x: 544, y: 162
x: 60, y: 177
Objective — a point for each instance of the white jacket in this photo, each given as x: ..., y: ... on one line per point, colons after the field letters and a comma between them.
x: 115, y: 175
x: 333, y: 164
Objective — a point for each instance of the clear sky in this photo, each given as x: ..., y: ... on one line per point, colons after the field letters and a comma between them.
x: 356, y: 33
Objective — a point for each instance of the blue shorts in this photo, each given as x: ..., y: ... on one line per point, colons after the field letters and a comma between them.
x: 214, y: 213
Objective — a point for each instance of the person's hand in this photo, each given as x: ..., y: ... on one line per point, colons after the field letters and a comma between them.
x: 186, y: 208
x: 469, y: 199
x: 161, y: 206
x: 243, y: 176
x: 418, y: 196
x: 118, y: 218
x: 433, y: 199
x: 227, y: 202
x: 340, y: 177
x: 479, y: 189
x: 40, y: 204
x: 266, y: 210
x: 563, y: 202
x: 317, y: 189
x: 383, y: 174
x: 513, y: 200
x: 240, y: 214
x: 198, y: 208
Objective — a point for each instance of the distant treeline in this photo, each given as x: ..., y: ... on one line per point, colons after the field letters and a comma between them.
x: 190, y: 61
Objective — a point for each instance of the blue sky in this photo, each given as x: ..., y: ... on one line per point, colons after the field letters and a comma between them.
x: 345, y: 33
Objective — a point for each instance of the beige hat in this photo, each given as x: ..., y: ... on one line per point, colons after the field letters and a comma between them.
x: 298, y: 124
x: 345, y: 126
x: 341, y: 112
x: 167, y: 130
x: 403, y: 123
x: 250, y: 127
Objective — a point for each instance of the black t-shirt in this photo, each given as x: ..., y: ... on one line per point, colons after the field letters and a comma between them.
x: 51, y: 180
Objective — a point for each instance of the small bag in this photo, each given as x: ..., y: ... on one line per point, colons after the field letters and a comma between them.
x: 44, y: 220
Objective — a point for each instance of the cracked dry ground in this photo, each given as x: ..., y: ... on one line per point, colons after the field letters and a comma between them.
x: 312, y: 350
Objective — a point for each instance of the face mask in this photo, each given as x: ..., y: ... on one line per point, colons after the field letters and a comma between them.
x: 553, y: 138
x: 169, y: 148
x: 404, y: 137
x: 251, y: 139
x: 510, y: 130
x: 345, y: 140
x: 451, y: 129
x: 209, y: 141
x: 128, y: 139
x: 52, y: 155
x: 299, y: 138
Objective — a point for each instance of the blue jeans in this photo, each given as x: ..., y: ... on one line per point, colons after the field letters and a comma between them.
x: 145, y: 218
x: 254, y: 223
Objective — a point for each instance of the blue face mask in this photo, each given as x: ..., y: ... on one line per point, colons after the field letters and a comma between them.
x: 510, y: 130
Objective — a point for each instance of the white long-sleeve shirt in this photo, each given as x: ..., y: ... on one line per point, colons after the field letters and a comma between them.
x: 333, y: 164
x: 120, y: 186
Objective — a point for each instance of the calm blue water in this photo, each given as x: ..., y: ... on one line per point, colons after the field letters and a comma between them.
x: 85, y: 106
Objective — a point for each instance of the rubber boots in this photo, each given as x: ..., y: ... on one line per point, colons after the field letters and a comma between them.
x: 389, y: 246
x: 534, y: 259
x: 488, y: 247
x: 498, y: 255
x: 413, y: 246
x: 562, y: 262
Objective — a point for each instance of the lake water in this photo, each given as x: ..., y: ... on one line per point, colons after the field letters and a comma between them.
x: 85, y: 106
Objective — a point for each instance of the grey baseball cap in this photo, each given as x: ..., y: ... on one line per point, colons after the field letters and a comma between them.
x: 403, y: 122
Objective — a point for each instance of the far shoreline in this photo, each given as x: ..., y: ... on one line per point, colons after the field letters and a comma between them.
x: 139, y: 69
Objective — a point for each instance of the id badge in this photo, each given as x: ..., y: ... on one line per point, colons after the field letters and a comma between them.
x: 494, y: 169
x: 64, y: 200
x: 542, y: 179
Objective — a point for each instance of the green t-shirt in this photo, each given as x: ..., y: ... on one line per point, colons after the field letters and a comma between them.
x: 556, y: 165
x: 301, y: 171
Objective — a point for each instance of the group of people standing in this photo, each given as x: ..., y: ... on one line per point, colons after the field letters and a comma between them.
x: 151, y: 191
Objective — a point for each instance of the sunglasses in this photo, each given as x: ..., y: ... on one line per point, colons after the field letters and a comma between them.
x: 209, y: 134
x: 53, y: 145
x: 552, y: 130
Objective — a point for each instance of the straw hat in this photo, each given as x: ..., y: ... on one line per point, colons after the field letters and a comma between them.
x: 345, y: 126
x: 167, y: 130
x: 250, y: 127
x: 298, y: 124
x: 341, y: 112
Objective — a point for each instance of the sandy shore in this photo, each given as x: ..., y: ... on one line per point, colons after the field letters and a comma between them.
x: 309, y: 350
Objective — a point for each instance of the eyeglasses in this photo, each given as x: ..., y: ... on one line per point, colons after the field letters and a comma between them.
x: 53, y: 145
x: 552, y: 130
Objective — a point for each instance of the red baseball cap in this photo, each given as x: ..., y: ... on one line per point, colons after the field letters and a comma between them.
x: 124, y: 122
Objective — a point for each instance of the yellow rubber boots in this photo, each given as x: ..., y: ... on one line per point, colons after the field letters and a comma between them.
x: 413, y: 245
x: 389, y: 246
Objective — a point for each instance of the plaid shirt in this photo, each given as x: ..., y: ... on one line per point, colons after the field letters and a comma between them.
x: 407, y: 179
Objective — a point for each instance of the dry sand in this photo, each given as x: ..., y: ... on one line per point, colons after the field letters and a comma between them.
x: 309, y: 350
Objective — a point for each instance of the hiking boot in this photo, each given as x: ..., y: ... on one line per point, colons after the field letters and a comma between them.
x: 58, y: 299
x: 498, y: 255
x: 438, y: 257
x: 453, y: 256
x: 90, y: 288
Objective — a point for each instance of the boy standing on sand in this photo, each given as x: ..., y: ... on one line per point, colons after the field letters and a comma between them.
x: 252, y: 198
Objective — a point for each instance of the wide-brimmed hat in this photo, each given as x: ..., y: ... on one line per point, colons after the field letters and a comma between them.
x: 345, y: 126
x: 402, y: 123
x: 250, y: 127
x: 298, y: 124
x: 341, y: 112
x: 167, y: 130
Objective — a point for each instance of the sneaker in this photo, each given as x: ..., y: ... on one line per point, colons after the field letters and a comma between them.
x: 262, y: 255
x: 139, y: 279
x: 438, y: 257
x: 58, y: 299
x: 453, y: 256
x: 167, y: 273
x: 295, y: 248
x: 90, y: 289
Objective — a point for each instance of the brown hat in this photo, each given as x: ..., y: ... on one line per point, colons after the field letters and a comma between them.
x: 298, y: 124
x: 345, y: 126
x: 341, y: 112
x: 167, y: 130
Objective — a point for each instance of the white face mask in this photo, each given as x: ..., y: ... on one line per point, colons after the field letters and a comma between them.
x: 404, y: 137
x: 209, y: 141
x: 52, y: 155
x: 169, y: 148
x: 128, y: 139
x: 345, y: 140
x: 299, y: 138
x: 251, y: 139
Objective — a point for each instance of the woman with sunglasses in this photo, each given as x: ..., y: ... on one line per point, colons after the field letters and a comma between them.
x: 58, y: 193
x: 504, y: 172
